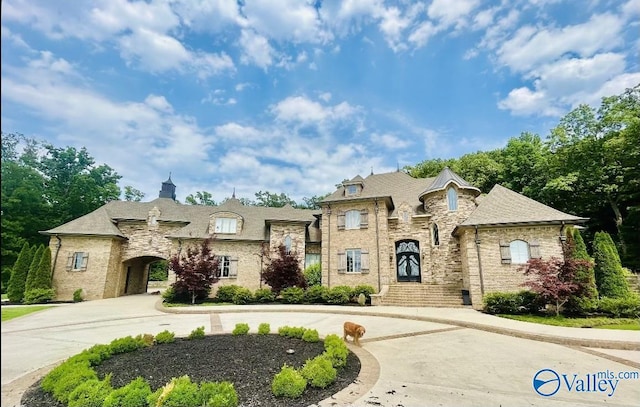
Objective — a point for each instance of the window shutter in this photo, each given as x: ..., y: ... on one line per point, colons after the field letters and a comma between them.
x: 70, y: 262
x: 505, y: 252
x: 233, y: 267
x: 341, y: 220
x: 85, y: 260
x: 534, y: 249
x: 342, y: 263
x: 364, y: 259
x: 364, y: 218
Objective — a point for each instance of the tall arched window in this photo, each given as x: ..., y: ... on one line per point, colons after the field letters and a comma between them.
x: 519, y: 251
x: 436, y: 235
x: 287, y: 243
x: 452, y: 199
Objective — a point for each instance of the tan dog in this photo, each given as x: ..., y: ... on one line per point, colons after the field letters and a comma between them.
x: 353, y: 330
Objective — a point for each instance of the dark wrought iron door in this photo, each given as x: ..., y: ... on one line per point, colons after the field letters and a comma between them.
x: 408, y: 260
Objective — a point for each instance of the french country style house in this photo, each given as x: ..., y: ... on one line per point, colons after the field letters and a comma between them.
x: 417, y: 241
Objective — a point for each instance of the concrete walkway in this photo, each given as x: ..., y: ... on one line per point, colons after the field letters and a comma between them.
x: 410, y: 356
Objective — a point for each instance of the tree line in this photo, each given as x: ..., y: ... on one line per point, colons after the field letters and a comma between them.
x: 588, y: 165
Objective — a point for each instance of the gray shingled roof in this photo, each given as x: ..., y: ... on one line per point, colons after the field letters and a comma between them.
x: 396, y: 187
x: 502, y: 206
x: 446, y: 177
x: 103, y: 221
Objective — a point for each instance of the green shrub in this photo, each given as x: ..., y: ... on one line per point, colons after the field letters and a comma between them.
x: 66, y: 368
x: 74, y: 377
x: 319, y: 372
x: 367, y: 290
x: 315, y: 294
x: 338, y: 295
x: 291, y: 331
x: 288, y: 383
x: 197, y: 333
x: 521, y: 302
x: 610, y: 276
x: 95, y: 355
x: 77, y: 295
x: 241, y: 329
x: 218, y: 394
x: 332, y: 340
x: 336, y: 350
x: 19, y: 273
x: 313, y: 275
x: 180, y: 392
x: 126, y: 344
x: 39, y: 295
x: 264, y: 329
x: 226, y: 292
x: 91, y: 393
x: 134, y: 394
x: 264, y: 295
x: 145, y: 339
x: 310, y: 335
x: 169, y: 295
x: 242, y: 296
x: 292, y: 295
x: 165, y: 337
x: 627, y: 307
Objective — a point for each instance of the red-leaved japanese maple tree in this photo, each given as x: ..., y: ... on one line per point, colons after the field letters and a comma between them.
x: 196, y: 271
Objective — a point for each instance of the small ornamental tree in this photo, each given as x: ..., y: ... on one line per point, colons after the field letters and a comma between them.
x: 610, y: 276
x: 18, y: 279
x: 554, y: 279
x: 195, y: 272
x: 42, y: 273
x: 283, y: 270
x: 586, y: 297
x: 33, y: 268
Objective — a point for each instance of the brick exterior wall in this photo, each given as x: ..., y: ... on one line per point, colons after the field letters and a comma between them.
x: 497, y: 276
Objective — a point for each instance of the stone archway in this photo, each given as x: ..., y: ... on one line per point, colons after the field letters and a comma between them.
x: 135, y: 275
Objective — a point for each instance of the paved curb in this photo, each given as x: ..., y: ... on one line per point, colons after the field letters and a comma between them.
x: 561, y: 340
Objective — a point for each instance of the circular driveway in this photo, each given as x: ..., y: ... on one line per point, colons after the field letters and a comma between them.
x: 406, y: 361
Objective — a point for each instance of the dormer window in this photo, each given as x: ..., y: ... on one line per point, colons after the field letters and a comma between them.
x: 226, y: 225
x: 452, y: 199
x: 352, y: 190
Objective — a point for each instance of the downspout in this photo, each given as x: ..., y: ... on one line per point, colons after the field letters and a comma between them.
x: 477, y: 239
x: 377, y: 245
x: 55, y: 258
x: 328, y: 246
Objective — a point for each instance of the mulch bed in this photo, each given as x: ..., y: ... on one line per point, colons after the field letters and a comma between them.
x: 248, y: 361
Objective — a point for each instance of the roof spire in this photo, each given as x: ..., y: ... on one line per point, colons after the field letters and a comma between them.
x: 371, y: 170
x: 234, y: 193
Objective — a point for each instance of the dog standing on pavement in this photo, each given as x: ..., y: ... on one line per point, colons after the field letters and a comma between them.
x: 353, y: 330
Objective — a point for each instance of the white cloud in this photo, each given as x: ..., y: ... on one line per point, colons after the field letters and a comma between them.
x: 159, y: 103
x: 451, y: 12
x: 390, y: 141
x: 299, y: 109
x: 242, y: 86
x: 256, y: 49
x: 631, y: 8
x: 524, y: 102
x: 421, y: 35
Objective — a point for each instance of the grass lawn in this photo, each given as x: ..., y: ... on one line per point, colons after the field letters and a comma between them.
x: 15, y: 312
x: 595, y: 322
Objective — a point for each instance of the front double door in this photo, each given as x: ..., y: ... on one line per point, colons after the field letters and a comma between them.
x: 408, y: 261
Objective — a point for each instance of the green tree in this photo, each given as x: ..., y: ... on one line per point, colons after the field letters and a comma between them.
x: 480, y: 169
x: 132, y: 195
x: 586, y: 297
x: 18, y: 280
x: 158, y: 271
x: 524, y: 160
x: 32, y: 276
x: 430, y: 168
x: 200, y: 198
x: 273, y: 200
x: 41, y: 281
x: 610, y: 277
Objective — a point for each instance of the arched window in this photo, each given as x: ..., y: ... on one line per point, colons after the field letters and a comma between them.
x: 452, y: 199
x: 287, y: 243
x: 435, y: 235
x: 519, y: 251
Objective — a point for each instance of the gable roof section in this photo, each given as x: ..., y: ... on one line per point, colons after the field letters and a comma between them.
x: 502, y: 206
x: 443, y: 179
x: 96, y: 223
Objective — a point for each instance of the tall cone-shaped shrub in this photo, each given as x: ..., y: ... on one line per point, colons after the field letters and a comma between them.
x: 42, y: 278
x: 19, y: 273
x: 586, y: 298
x: 33, y: 268
x: 608, y: 268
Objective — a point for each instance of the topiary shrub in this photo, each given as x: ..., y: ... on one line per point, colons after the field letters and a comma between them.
x: 39, y: 295
x: 225, y: 293
x: 242, y: 296
x: 165, y: 337
x: 338, y: 295
x: 292, y: 295
x: 288, y: 383
x: 126, y: 344
x: 74, y: 376
x: 319, y: 371
x: 95, y: 355
x: 218, y: 394
x: 367, y: 290
x: 264, y: 329
x: 240, y: 329
x: 134, y: 394
x: 336, y: 350
x: 313, y: 275
x: 264, y: 295
x: 291, y: 332
x: 179, y: 392
x: 197, y: 333
x: 310, y: 335
x: 77, y: 295
x: 91, y: 393
x: 315, y: 294
x: 610, y: 277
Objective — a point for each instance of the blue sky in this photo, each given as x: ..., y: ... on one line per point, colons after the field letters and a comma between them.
x: 293, y: 96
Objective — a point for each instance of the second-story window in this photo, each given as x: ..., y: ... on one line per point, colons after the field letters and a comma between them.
x: 225, y: 225
x: 352, y: 219
x: 452, y: 199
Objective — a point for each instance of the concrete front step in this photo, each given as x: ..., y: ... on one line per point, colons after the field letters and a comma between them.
x: 423, y: 295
